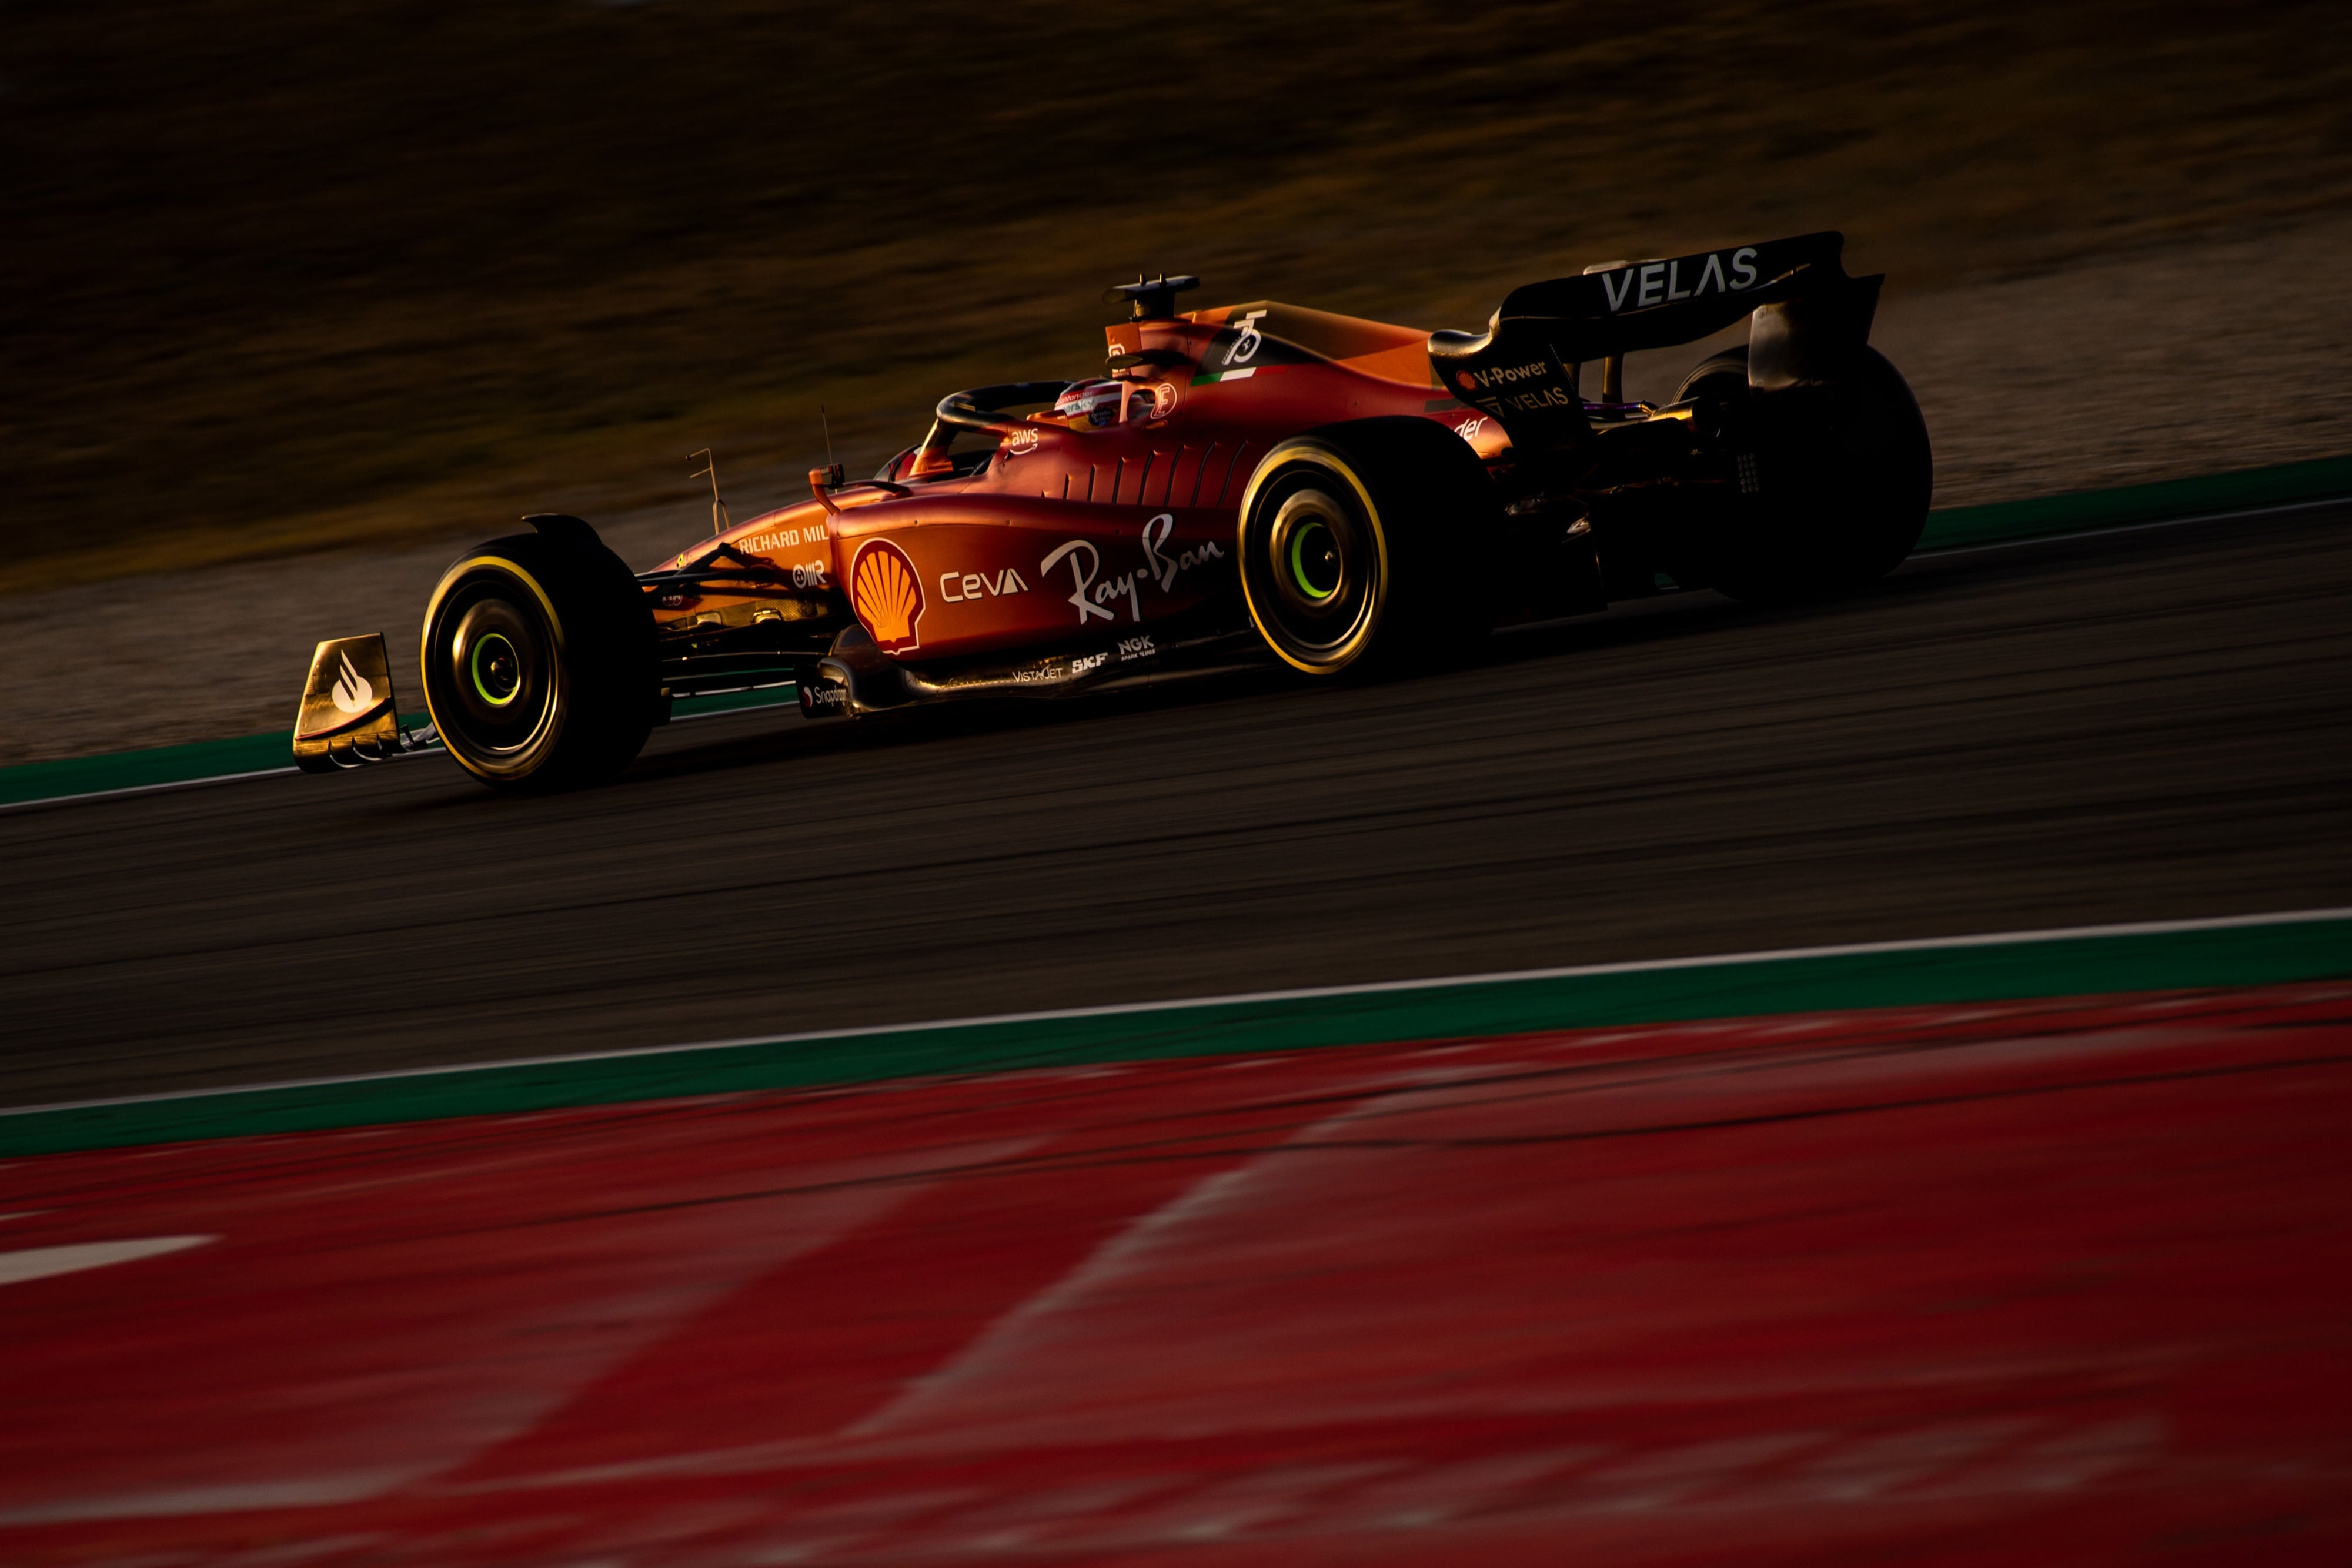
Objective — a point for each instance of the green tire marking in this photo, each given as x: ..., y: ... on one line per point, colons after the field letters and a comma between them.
x: 473, y: 668
x: 1298, y: 564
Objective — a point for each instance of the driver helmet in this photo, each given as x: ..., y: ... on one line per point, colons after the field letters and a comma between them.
x: 1098, y: 400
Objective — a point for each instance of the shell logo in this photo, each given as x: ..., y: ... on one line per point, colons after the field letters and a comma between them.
x: 887, y: 595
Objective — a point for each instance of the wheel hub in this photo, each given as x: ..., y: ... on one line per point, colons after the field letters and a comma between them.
x: 496, y: 669
x: 1316, y: 550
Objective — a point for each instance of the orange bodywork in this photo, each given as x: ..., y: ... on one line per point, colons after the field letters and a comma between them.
x: 1068, y: 529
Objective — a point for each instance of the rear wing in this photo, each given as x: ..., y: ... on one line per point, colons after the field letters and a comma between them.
x: 1809, y: 321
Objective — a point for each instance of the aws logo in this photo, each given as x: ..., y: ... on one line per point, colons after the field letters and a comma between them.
x: 887, y: 595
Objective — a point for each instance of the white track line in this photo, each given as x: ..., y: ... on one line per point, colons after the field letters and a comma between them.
x: 1184, y: 1004
x: 2133, y: 528
x: 274, y: 772
x: 149, y: 788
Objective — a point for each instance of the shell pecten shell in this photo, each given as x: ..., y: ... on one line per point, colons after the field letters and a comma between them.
x: 887, y: 595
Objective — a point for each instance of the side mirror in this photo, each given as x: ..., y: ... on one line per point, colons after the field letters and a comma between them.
x: 823, y: 479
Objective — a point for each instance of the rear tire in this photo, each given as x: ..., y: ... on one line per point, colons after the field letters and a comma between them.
x: 1846, y: 473
x: 1349, y: 542
x: 539, y: 662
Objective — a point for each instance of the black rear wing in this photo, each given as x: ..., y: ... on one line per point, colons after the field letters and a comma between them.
x: 1809, y: 321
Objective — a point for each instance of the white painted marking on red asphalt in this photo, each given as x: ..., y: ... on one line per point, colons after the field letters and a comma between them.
x: 45, y: 1262
x: 305, y: 1491
x: 1011, y: 1349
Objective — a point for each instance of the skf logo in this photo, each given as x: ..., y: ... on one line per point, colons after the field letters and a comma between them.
x: 887, y: 595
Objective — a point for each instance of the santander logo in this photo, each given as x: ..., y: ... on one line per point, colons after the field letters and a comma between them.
x: 353, y: 692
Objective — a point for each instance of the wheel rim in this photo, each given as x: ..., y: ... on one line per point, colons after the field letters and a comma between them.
x: 492, y: 670
x: 1311, y: 566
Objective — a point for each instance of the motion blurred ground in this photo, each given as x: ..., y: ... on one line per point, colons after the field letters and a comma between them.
x: 373, y: 278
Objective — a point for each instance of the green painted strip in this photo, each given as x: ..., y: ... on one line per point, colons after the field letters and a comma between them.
x: 141, y: 770
x: 155, y: 766
x: 2083, y: 511
x: 1952, y: 528
x: 2266, y: 950
x: 204, y: 759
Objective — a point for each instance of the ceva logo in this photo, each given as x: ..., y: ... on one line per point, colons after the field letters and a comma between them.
x: 353, y: 692
x: 887, y: 595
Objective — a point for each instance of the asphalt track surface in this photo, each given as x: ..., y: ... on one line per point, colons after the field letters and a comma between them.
x: 2040, y: 1282
x: 2142, y: 725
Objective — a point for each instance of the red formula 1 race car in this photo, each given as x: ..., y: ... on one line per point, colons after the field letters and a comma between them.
x: 1250, y: 484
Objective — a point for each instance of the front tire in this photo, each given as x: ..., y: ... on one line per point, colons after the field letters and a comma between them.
x: 1349, y: 536
x: 539, y: 664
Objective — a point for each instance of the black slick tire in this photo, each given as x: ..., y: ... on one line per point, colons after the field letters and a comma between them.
x: 1846, y: 475
x: 539, y: 665
x: 1354, y: 539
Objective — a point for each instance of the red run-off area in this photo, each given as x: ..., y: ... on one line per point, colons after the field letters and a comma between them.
x: 2058, y: 1282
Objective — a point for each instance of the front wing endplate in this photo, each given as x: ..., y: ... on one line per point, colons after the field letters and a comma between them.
x: 348, y: 716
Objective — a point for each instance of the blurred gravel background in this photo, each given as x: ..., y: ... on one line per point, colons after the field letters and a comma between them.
x: 295, y: 304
